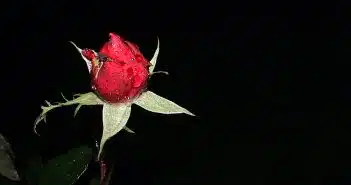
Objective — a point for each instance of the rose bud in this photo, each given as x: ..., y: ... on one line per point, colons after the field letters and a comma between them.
x: 119, y: 72
x: 119, y: 75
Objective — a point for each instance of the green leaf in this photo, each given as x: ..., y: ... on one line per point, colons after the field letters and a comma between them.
x: 67, y: 168
x: 82, y: 99
x: 7, y: 168
x: 32, y: 172
x: 114, y: 119
x: 154, y: 58
x: 155, y: 103
x: 89, y: 64
x: 6, y: 181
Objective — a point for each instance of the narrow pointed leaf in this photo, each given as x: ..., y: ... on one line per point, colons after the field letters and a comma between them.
x: 154, y: 58
x: 88, y: 62
x: 155, y: 103
x: 67, y: 168
x: 114, y: 119
x: 81, y: 99
x: 7, y: 167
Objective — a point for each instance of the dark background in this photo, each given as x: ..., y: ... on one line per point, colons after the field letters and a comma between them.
x: 268, y: 81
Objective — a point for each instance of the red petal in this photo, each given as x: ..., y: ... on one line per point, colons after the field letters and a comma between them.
x: 88, y: 54
x: 117, y: 82
x: 134, y: 47
x: 117, y: 48
x: 138, y: 55
x: 140, y: 76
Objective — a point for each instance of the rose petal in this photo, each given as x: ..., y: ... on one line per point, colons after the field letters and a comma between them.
x: 117, y: 48
x: 139, y: 57
x: 139, y: 77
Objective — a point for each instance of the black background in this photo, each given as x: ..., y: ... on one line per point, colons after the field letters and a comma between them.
x: 269, y: 83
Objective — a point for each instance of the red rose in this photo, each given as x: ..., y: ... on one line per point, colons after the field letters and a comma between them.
x: 119, y: 72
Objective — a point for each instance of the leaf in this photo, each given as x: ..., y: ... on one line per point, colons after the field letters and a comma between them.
x: 7, y: 168
x: 6, y: 181
x: 82, y: 99
x: 114, y: 119
x: 67, y: 168
x: 32, y: 172
x: 155, y: 103
x: 154, y: 58
x: 88, y: 62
